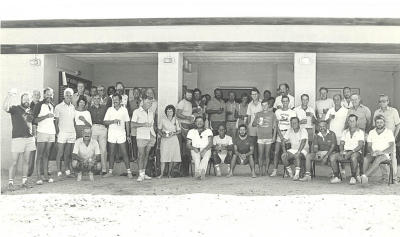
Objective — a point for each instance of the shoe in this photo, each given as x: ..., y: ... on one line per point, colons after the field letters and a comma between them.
x: 146, y: 177
x: 91, y: 177
x: 140, y: 178
x: 358, y: 178
x: 353, y: 181
x: 197, y: 175
x: 306, y: 178
x: 103, y: 173
x: 108, y: 175
x: 11, y: 187
x: 296, y: 177
x: 254, y: 175
x: 39, y: 182
x: 25, y: 185
x: 364, y: 179
x: 50, y: 180
x: 130, y: 176
x: 289, y: 172
x: 67, y: 172
x: 274, y: 173
x: 59, y: 174
x: 79, y: 178
x: 203, y: 174
x: 335, y: 180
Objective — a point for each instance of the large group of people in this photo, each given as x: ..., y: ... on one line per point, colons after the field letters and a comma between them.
x: 93, y: 128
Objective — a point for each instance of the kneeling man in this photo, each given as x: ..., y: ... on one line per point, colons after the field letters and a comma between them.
x: 243, y: 151
x: 297, y: 138
x: 380, y: 146
x: 323, y: 148
x: 86, y: 155
x: 222, y: 149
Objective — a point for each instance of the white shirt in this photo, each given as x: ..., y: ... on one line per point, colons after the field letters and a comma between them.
x: 142, y: 116
x: 86, y: 152
x: 46, y: 125
x: 338, y: 123
x: 252, y: 109
x: 346, y: 105
x: 351, y: 142
x: 226, y: 141
x: 284, y: 118
x: 199, y: 140
x: 323, y: 104
x: 85, y: 114
x: 295, y: 140
x: 186, y: 108
x: 302, y: 114
x: 380, y: 142
x: 120, y: 114
x: 65, y: 114
x: 278, y: 102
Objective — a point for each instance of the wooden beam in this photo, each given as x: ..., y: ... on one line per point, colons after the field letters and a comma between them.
x: 200, y: 47
x: 198, y: 21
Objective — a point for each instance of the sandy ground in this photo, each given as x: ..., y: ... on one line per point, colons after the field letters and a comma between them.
x: 215, y: 207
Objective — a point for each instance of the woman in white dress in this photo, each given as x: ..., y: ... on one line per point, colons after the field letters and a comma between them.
x: 82, y: 116
x: 168, y: 128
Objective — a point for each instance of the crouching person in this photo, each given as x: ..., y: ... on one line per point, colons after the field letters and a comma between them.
x: 297, y: 137
x: 222, y: 149
x: 380, y: 147
x: 86, y: 155
x: 199, y: 142
x: 323, y: 150
x: 243, y: 151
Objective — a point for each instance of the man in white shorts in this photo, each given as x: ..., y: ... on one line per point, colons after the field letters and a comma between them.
x: 143, y: 121
x: 117, y: 118
x: 22, y: 142
x: 297, y: 137
x: 64, y: 114
x: 46, y: 133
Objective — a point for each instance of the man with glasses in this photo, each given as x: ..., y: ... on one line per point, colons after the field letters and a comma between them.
x: 284, y: 91
x: 392, y: 122
x: 104, y: 99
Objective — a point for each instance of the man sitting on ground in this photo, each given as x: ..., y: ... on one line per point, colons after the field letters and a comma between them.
x: 297, y: 137
x: 243, y: 151
x: 351, y: 145
x: 323, y: 148
x: 380, y: 145
x: 222, y: 149
x: 86, y: 155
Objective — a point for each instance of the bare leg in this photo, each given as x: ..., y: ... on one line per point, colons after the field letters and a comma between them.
x: 267, y: 158
x: 60, y: 153
x: 46, y: 160
x: 124, y: 153
x: 112, y: 155
x: 13, y: 166
x: 162, y: 169
x: 252, y: 166
x: 170, y: 167
x: 260, y: 158
x: 67, y: 155
x: 41, y: 146
x: 276, y: 154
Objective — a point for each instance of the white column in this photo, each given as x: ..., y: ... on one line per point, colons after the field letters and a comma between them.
x: 305, y: 76
x: 170, y: 78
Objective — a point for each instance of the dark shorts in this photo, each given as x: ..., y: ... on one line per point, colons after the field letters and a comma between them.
x: 217, y: 160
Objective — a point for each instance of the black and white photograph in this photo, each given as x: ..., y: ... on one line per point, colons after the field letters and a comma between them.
x: 200, y: 118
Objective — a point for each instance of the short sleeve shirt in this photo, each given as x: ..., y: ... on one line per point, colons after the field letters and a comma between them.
x: 65, y: 114
x: 120, y: 114
x: 324, y: 143
x: 232, y: 108
x: 243, y: 145
x: 346, y: 105
x: 85, y: 114
x: 266, y: 122
x: 351, y: 142
x: 46, y: 125
x: 338, y: 123
x: 199, y: 140
x: 187, y: 109
x: 284, y: 117
x: 364, y: 115
x: 322, y: 105
x: 21, y: 120
x: 215, y: 104
x: 225, y: 142
x: 169, y: 125
x: 295, y: 139
x: 302, y: 114
x: 380, y: 142
x: 142, y: 116
x: 86, y: 152
x: 252, y: 110
x: 391, y: 117
x: 278, y: 102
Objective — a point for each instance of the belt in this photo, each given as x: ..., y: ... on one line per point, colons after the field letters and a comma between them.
x: 98, y: 124
x: 231, y: 121
x: 284, y: 130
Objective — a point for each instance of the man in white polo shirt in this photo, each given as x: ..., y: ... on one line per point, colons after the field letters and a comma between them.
x: 323, y: 104
x: 297, y: 138
x: 284, y: 90
x: 143, y: 121
x: 117, y: 118
x: 380, y: 147
x: 64, y: 114
x: 351, y: 145
x: 46, y: 133
x: 306, y: 115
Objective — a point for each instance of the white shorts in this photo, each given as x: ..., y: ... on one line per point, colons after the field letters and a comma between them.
x: 293, y: 151
x: 66, y: 137
x: 116, y: 137
x: 23, y: 144
x: 264, y: 141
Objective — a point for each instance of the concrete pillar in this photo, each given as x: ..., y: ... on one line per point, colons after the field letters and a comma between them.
x: 170, y: 79
x: 305, y: 76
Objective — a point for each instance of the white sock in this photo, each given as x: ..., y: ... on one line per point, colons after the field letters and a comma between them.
x: 110, y: 171
x: 297, y: 171
x: 10, y: 181
x: 141, y: 172
x: 67, y: 172
x: 24, y: 179
x: 128, y: 171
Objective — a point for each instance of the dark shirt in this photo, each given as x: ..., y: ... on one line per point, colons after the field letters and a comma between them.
x: 21, y: 119
x: 133, y: 105
x: 324, y: 143
x: 243, y: 146
x: 98, y: 114
x: 32, y: 107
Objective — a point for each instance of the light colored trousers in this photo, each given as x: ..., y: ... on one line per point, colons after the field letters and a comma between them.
x: 385, y: 168
x: 201, y: 163
x: 99, y: 133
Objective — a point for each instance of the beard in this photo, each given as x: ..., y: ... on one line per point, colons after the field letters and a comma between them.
x: 243, y: 135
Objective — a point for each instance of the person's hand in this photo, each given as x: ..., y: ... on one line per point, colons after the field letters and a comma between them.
x: 325, y: 111
x: 116, y: 121
x: 50, y: 115
x: 278, y: 107
x: 347, y: 155
x: 128, y: 139
x: 197, y: 150
x: 332, y: 116
x: 83, y: 119
x: 378, y: 153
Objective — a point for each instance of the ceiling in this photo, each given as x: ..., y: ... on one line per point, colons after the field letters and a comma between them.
x: 230, y: 57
